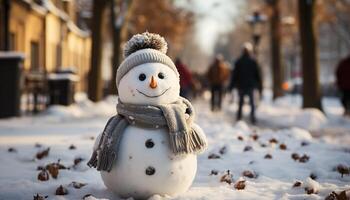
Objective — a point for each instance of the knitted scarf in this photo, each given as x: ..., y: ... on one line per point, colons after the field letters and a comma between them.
x: 177, y: 117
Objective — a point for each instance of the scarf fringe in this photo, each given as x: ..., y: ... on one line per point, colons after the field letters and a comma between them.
x: 93, y: 160
x: 184, y: 143
x: 102, y: 159
x: 106, y: 158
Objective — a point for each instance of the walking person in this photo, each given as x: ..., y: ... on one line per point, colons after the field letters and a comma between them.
x: 217, y: 75
x: 343, y: 83
x: 246, y: 77
x: 185, y: 78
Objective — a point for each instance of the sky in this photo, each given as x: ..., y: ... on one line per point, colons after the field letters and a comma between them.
x: 213, y: 17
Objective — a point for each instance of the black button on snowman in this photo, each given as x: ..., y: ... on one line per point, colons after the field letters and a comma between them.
x: 149, y: 143
x: 150, y: 170
x: 150, y: 146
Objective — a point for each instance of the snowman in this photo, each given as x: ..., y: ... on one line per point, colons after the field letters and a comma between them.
x: 150, y: 146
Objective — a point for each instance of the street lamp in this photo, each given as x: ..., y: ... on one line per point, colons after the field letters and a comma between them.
x: 256, y: 21
x: 289, y: 32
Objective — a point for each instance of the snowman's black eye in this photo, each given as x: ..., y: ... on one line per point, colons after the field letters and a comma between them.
x: 161, y: 75
x: 142, y: 77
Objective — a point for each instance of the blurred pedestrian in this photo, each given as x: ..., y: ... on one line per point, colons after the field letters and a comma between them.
x: 343, y: 82
x: 246, y: 77
x: 185, y: 78
x: 217, y: 75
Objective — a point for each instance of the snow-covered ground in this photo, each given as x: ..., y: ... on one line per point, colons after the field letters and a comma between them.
x: 265, y: 151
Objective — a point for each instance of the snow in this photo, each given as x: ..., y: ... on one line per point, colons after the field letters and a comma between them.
x: 63, y: 76
x: 285, y: 112
x: 11, y: 54
x: 80, y: 123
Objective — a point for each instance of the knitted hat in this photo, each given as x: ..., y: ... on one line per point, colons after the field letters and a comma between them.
x: 144, y: 48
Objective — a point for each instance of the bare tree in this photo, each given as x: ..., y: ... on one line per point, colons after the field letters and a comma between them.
x: 118, y: 21
x: 164, y: 18
x: 309, y: 54
x: 276, y: 60
x: 95, y: 84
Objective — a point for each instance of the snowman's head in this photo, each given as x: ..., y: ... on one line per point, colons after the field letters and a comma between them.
x: 147, y: 76
x: 150, y: 84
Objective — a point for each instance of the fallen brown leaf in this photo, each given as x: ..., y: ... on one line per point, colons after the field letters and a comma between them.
x: 42, y: 154
x: 38, y: 145
x: 214, y: 172
x: 304, y: 143
x: 86, y: 196
x: 213, y: 156
x: 255, y: 137
x: 223, y: 150
x: 54, y: 168
x: 295, y: 156
x: 310, y: 191
x: 78, y: 160
x: 61, y: 190
x: 12, y: 150
x: 249, y: 174
x: 227, y: 178
x: 268, y: 156
x: 240, y: 185
x: 43, y: 175
x: 273, y: 140
x: 283, y: 146
x: 313, y: 176
x: 39, y: 197
x: 342, y: 169
x: 248, y: 148
x: 77, y: 185
x: 304, y: 158
x: 297, y: 184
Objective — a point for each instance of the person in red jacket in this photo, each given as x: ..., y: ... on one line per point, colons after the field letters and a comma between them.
x: 343, y: 82
x: 185, y: 78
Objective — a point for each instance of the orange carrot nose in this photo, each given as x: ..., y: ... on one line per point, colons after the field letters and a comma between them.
x: 153, y: 83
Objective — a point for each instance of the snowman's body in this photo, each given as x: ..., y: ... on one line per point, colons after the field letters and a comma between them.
x: 146, y: 166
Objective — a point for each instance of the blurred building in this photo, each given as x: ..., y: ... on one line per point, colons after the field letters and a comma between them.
x: 52, y: 34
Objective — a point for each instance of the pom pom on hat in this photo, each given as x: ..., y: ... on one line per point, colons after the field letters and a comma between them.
x: 145, y: 40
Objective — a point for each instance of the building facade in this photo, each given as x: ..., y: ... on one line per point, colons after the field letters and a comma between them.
x: 46, y: 31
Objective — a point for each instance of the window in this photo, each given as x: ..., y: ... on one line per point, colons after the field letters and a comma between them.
x: 12, y: 41
x: 34, y: 56
x: 58, y: 56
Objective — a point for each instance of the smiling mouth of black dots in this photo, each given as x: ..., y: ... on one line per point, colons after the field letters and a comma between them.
x: 155, y: 96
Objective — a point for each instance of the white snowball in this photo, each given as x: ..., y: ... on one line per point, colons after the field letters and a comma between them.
x: 134, y: 91
x: 172, y: 175
x: 312, y: 184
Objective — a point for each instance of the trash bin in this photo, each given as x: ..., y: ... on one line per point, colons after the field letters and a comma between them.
x: 10, y: 83
x: 62, y: 87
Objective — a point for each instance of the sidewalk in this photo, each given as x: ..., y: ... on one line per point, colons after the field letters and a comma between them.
x: 263, y: 154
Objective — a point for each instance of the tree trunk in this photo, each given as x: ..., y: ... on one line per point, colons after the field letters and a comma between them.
x: 277, y: 67
x: 117, y: 29
x: 115, y: 59
x: 95, y: 86
x: 309, y: 54
x: 5, y: 8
